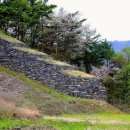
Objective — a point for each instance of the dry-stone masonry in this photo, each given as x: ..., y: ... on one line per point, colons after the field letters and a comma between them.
x: 49, y: 74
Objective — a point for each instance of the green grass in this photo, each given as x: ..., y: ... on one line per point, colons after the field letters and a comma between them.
x: 7, y: 123
x: 56, y: 101
x: 76, y: 73
x: 59, y: 125
x: 62, y: 125
x: 101, y: 116
x: 109, y: 127
x: 8, y: 38
x: 100, y: 121
x: 29, y: 50
x: 54, y: 62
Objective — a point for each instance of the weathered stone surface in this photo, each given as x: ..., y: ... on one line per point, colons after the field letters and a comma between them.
x: 50, y: 74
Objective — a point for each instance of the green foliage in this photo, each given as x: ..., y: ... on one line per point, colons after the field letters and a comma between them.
x: 123, y: 85
x: 126, y: 52
x: 111, y: 89
x: 23, y: 17
x: 95, y: 53
x: 119, y: 60
x: 123, y: 58
x: 32, y: 21
x: 118, y: 88
x: 103, y: 51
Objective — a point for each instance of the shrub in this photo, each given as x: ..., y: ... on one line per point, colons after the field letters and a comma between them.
x: 123, y: 85
x: 109, y: 83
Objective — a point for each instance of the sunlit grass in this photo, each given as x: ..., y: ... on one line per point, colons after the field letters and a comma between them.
x: 77, y: 73
x: 109, y: 127
x: 7, y: 123
x: 8, y: 38
x: 54, y: 62
x: 59, y: 125
x: 62, y: 125
x: 101, y: 121
x: 29, y: 50
x: 100, y: 116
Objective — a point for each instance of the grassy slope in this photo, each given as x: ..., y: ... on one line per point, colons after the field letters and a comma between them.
x: 55, y: 62
x: 58, y: 102
x: 104, y: 111
x: 8, y: 38
x: 29, y: 50
x: 62, y: 104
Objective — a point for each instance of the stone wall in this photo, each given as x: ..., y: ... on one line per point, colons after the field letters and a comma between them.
x: 49, y: 74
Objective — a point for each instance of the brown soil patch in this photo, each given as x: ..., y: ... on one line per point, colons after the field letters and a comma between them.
x: 10, y: 86
x: 12, y: 100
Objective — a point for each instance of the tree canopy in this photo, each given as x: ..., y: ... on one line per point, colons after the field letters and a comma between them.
x: 64, y: 35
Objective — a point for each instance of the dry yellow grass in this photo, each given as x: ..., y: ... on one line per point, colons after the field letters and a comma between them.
x: 29, y: 50
x: 55, y: 62
x: 13, y: 110
x: 76, y: 73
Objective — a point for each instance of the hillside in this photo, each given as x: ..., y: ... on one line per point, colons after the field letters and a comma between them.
x: 25, y: 101
x: 118, y: 45
x: 55, y: 74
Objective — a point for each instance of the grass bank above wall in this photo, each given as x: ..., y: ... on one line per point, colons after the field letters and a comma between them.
x: 76, y: 73
x: 8, y: 38
x: 54, y: 62
x: 29, y: 50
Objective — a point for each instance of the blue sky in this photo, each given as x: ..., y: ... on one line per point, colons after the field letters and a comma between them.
x: 111, y: 18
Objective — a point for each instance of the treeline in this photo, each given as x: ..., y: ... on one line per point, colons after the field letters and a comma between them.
x: 24, y: 18
x: 64, y: 35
